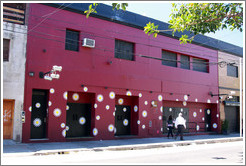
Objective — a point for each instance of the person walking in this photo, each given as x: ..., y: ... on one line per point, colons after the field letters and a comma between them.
x: 170, y: 126
x: 180, y: 125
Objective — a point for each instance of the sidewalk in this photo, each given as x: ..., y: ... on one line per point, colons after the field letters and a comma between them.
x: 22, y: 149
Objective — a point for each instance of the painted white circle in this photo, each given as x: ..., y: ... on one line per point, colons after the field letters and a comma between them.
x: 111, y: 95
x: 82, y: 120
x: 208, y: 111
x: 161, y: 109
x: 196, y: 100
x: 65, y: 95
x: 114, y: 130
x: 140, y: 95
x: 50, y: 103
x: 217, y: 115
x: 120, y: 101
x: 100, y: 98
x: 110, y: 128
x: 124, y: 109
x: 170, y: 109
x: 38, y: 105
x: 64, y: 132
x: 184, y: 103
x: 181, y: 109
x: 146, y: 102
x: 194, y: 114
x: 203, y: 118
x: 177, y: 99
x: 63, y: 125
x: 160, y: 98
x: 57, y: 112
x: 161, y: 129
x: 52, y: 90
x: 75, y: 96
x: 143, y: 126
x: 208, y: 101
x: 135, y: 108
x: 98, y: 117
x: 107, y: 107
x: 185, y: 97
x: 160, y: 117
x: 95, y: 105
x: 144, y: 113
x: 67, y: 128
x: 207, y: 125
x: 125, y: 122
x: 37, y: 122
x: 67, y: 107
x: 214, y: 125
x: 128, y: 93
x: 95, y: 131
x: 217, y: 101
x: 113, y: 113
x: 200, y: 110
x: 30, y: 108
x: 138, y: 122
x: 197, y: 127
x: 85, y: 89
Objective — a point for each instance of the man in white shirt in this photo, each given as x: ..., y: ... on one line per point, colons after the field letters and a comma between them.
x: 180, y: 125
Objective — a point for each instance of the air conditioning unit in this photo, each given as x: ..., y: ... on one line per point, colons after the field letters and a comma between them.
x: 88, y: 43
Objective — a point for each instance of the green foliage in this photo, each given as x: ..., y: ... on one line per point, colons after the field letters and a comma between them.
x: 92, y: 8
x: 225, y: 125
x: 202, y: 18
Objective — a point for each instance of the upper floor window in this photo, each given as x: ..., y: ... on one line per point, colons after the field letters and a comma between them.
x: 200, y: 65
x: 170, y: 59
x: 124, y: 50
x: 232, y: 70
x: 72, y: 40
x: 185, y: 62
x: 6, y: 49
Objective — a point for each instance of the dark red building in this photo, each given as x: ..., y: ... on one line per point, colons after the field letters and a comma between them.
x: 125, y: 86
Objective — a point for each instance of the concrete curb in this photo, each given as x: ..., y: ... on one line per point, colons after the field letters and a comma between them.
x: 138, y: 147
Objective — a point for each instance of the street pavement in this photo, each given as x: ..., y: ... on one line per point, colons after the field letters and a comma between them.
x: 11, y: 148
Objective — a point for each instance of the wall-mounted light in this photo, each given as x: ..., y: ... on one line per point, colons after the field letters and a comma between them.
x: 150, y: 91
x: 31, y: 73
x: 52, y: 73
x: 105, y: 87
x: 171, y: 93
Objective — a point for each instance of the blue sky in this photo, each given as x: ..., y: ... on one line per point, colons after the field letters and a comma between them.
x: 161, y: 11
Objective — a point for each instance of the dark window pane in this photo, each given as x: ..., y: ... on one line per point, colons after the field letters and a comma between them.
x: 72, y: 40
x: 124, y: 50
x: 200, y: 65
x: 170, y: 59
x: 232, y: 70
x: 185, y: 62
x: 6, y: 49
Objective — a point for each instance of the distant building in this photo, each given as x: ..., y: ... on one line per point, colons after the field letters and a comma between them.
x: 14, y: 58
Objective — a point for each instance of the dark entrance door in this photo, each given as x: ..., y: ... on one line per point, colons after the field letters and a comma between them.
x: 208, y: 119
x: 38, y: 115
x: 122, y: 120
x: 78, y: 120
x: 174, y: 111
x: 232, y: 115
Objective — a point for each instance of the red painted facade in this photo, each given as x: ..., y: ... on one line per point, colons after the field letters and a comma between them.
x: 146, y: 79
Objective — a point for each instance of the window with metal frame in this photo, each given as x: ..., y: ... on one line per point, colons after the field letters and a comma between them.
x: 72, y: 40
x: 124, y: 50
x: 185, y: 62
x: 200, y: 65
x: 170, y: 58
x: 6, y: 44
x: 232, y: 70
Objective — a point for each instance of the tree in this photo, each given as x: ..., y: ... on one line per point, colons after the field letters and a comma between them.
x: 201, y: 18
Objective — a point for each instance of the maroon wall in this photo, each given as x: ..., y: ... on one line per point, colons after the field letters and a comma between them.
x: 89, y: 67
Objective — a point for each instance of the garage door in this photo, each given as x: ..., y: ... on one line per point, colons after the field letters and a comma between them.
x: 232, y: 115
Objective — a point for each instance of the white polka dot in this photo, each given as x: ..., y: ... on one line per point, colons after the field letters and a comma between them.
x: 140, y: 95
x: 113, y: 113
x: 65, y: 95
x: 98, y: 117
x: 143, y: 126
x: 95, y: 131
x: 30, y: 109
x: 111, y: 128
x: 203, y: 118
x: 138, y: 122
x: 160, y: 98
x: 135, y: 108
x: 128, y: 93
x: 208, y: 111
x: 185, y: 97
x: 184, y: 103
x: 67, y: 128
x: 38, y: 105
x: 50, y: 103
x: 217, y: 115
x: 181, y: 109
x: 124, y: 109
x: 177, y: 99
x: 64, y: 132
x: 107, y: 107
x: 170, y: 109
x: 161, y: 109
x: 125, y: 122
x: 146, y: 102
x: 197, y: 127
x: 161, y: 129
x: 120, y: 101
x: 52, y: 90
x: 67, y: 107
x: 196, y: 100
x: 82, y: 120
x: 111, y: 95
x: 63, y: 125
x: 200, y: 110
x: 160, y: 118
x: 214, y: 125
x: 100, y: 98
x: 208, y: 101
x: 144, y: 113
x: 95, y: 105
x: 85, y: 89
x: 37, y: 122
x: 194, y: 114
x: 75, y: 96
x: 57, y: 112
x: 217, y: 101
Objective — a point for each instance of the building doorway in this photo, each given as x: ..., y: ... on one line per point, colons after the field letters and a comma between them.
x: 8, y: 116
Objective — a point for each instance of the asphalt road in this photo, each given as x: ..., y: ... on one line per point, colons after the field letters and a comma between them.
x: 218, y: 153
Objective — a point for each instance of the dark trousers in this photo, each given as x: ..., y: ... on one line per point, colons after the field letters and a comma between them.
x: 180, y: 132
x: 170, y: 131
